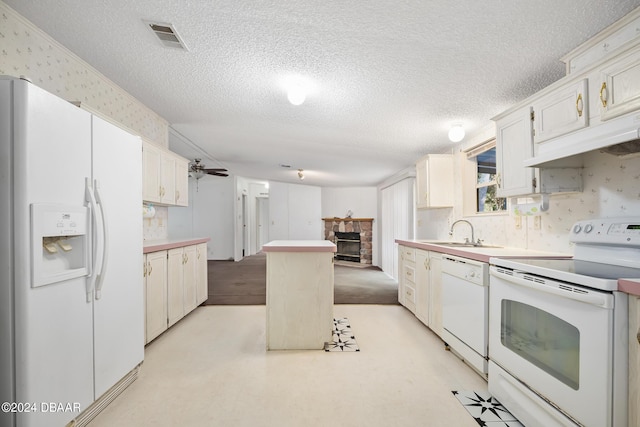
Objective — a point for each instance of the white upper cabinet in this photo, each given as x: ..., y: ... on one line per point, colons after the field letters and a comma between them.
x: 434, y: 181
x: 513, y: 146
x: 151, y: 173
x: 562, y: 111
x: 182, y: 182
x: 620, y: 86
x: 165, y: 177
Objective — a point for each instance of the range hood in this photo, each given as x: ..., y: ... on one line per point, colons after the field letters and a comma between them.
x: 619, y: 136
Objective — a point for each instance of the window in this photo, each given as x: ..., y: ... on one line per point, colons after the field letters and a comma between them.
x: 486, y: 185
x: 480, y: 186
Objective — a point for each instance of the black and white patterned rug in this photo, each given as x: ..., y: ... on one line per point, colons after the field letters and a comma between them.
x: 485, y: 409
x: 343, y: 338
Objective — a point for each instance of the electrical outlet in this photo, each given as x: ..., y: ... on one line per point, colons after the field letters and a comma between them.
x: 537, y: 222
x: 518, y: 221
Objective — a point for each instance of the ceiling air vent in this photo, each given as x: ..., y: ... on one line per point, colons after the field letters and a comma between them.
x: 167, y: 34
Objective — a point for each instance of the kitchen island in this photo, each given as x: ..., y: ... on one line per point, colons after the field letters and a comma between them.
x: 299, y: 294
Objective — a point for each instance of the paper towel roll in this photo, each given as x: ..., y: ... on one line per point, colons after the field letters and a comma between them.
x: 527, y: 209
x: 148, y: 211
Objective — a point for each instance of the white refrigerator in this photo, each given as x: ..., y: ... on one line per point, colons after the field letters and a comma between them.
x: 71, y: 289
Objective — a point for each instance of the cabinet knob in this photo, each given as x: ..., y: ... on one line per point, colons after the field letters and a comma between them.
x: 150, y: 269
x: 603, y: 94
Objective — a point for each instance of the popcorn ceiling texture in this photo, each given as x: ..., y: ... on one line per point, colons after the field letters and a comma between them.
x: 389, y: 77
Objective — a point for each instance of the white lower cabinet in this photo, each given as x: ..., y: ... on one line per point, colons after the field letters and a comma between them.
x: 420, y: 285
x: 175, y: 289
x: 175, y: 284
x: 155, y: 285
x: 429, y: 289
x: 202, y: 279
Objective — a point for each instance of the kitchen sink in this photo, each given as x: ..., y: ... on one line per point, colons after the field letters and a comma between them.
x: 458, y: 244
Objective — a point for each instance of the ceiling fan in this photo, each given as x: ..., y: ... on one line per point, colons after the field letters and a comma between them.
x: 198, y: 170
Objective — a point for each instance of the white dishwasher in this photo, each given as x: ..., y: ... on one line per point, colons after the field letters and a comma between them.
x: 465, y: 309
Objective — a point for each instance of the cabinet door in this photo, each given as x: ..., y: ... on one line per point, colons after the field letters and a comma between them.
x: 514, y: 145
x: 620, y: 87
x: 561, y: 112
x: 435, y: 299
x: 202, y: 279
x: 168, y: 179
x: 422, y: 286
x: 182, y: 182
x: 155, y: 294
x: 150, y: 173
x: 434, y: 181
x: 189, y: 280
x: 175, y: 286
x: 400, y: 280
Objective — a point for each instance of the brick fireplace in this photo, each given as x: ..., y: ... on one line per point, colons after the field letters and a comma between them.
x: 362, y: 226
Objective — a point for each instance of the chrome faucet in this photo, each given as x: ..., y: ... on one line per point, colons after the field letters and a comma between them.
x: 470, y: 225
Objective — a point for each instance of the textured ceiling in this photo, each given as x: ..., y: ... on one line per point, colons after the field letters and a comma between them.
x: 388, y: 78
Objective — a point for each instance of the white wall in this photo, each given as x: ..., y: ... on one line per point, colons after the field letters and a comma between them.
x: 295, y: 212
x: 209, y: 214
x: 362, y: 201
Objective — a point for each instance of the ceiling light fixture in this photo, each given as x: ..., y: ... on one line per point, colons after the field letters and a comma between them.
x: 456, y: 133
x: 300, y: 174
x: 296, y: 94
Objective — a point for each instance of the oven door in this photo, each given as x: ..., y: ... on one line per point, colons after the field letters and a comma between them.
x: 557, y: 340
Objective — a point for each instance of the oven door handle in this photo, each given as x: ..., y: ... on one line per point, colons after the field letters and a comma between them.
x: 598, y: 299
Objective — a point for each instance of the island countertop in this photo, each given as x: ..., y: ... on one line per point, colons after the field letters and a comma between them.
x: 299, y: 246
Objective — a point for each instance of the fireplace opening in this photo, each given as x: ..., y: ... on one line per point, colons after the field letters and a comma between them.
x: 348, y: 246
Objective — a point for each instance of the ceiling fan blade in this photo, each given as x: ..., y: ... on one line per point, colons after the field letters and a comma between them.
x: 214, y: 170
x: 216, y: 173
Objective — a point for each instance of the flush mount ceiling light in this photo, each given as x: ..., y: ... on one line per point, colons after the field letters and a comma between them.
x: 297, y: 88
x: 296, y: 95
x: 300, y: 174
x: 456, y: 133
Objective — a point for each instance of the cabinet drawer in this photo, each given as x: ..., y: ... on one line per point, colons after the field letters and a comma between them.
x: 410, y: 298
x: 408, y: 254
x: 409, y: 273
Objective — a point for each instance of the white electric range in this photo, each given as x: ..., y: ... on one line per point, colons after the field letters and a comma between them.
x: 558, y: 329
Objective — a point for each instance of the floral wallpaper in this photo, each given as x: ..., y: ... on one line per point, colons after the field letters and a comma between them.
x: 25, y: 50
x: 611, y: 188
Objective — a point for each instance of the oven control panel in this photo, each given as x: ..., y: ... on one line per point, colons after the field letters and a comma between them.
x: 607, y: 231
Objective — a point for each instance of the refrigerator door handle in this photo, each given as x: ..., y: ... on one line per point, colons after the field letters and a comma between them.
x: 91, y: 198
x: 105, y: 242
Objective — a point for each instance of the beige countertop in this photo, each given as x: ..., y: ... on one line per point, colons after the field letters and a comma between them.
x: 171, y: 243
x: 299, y: 246
x: 479, y: 253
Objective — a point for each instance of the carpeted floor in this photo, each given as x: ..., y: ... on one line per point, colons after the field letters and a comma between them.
x: 244, y: 283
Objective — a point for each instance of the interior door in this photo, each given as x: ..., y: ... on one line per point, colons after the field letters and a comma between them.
x: 119, y: 313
